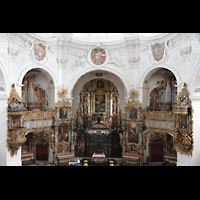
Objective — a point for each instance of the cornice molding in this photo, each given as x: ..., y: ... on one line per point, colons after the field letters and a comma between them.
x: 40, y: 37
x: 195, y: 98
x: 154, y: 37
x: 126, y: 47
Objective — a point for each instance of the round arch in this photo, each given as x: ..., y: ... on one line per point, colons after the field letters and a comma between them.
x: 80, y: 75
x: 49, y: 74
x: 153, y: 139
x: 83, y: 78
x: 147, y: 75
x: 152, y: 69
x: 5, y: 78
x: 194, y: 75
x: 163, y: 147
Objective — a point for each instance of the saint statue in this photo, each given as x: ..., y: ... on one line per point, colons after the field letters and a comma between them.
x: 86, y: 105
x: 121, y: 138
x: 75, y: 137
x: 144, y: 141
x: 187, y: 139
x: 177, y: 136
x: 52, y: 138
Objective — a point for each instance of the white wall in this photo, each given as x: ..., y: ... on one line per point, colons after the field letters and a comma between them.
x: 3, y: 132
x: 184, y: 160
x: 196, y: 131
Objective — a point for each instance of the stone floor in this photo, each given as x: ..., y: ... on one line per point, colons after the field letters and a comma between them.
x: 42, y: 163
x: 106, y: 163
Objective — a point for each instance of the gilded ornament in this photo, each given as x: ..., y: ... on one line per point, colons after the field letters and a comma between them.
x: 133, y: 94
x: 62, y: 93
x: 14, y: 94
x: 52, y: 139
x: 183, y: 141
x: 187, y: 139
x: 63, y: 103
x: 75, y: 135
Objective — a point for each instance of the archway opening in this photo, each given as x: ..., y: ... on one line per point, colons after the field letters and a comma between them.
x: 159, y: 90
x: 42, y: 150
x: 98, y: 97
x: 38, y: 90
x: 99, y: 74
x: 156, y: 150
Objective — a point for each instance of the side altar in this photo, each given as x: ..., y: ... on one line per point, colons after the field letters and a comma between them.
x: 177, y: 125
x: 26, y: 128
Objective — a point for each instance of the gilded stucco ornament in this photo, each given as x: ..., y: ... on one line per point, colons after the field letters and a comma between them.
x: 16, y: 111
x: 133, y: 94
x: 183, y: 134
x: 62, y: 93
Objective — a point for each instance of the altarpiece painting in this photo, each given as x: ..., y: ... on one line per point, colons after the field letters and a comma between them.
x: 63, y: 132
x: 100, y: 103
x: 63, y: 112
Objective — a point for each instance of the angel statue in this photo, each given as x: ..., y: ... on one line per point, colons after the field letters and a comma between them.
x: 115, y: 61
x: 82, y: 60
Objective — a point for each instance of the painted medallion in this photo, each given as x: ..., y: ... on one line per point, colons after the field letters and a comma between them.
x: 98, y: 56
x: 39, y: 52
x: 158, y: 51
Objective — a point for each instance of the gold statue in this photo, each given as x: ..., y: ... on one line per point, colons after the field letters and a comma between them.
x: 75, y: 137
x: 187, y: 139
x: 86, y: 104
x: 121, y: 138
x: 114, y: 106
x: 177, y: 136
x: 52, y: 138
x: 144, y: 142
